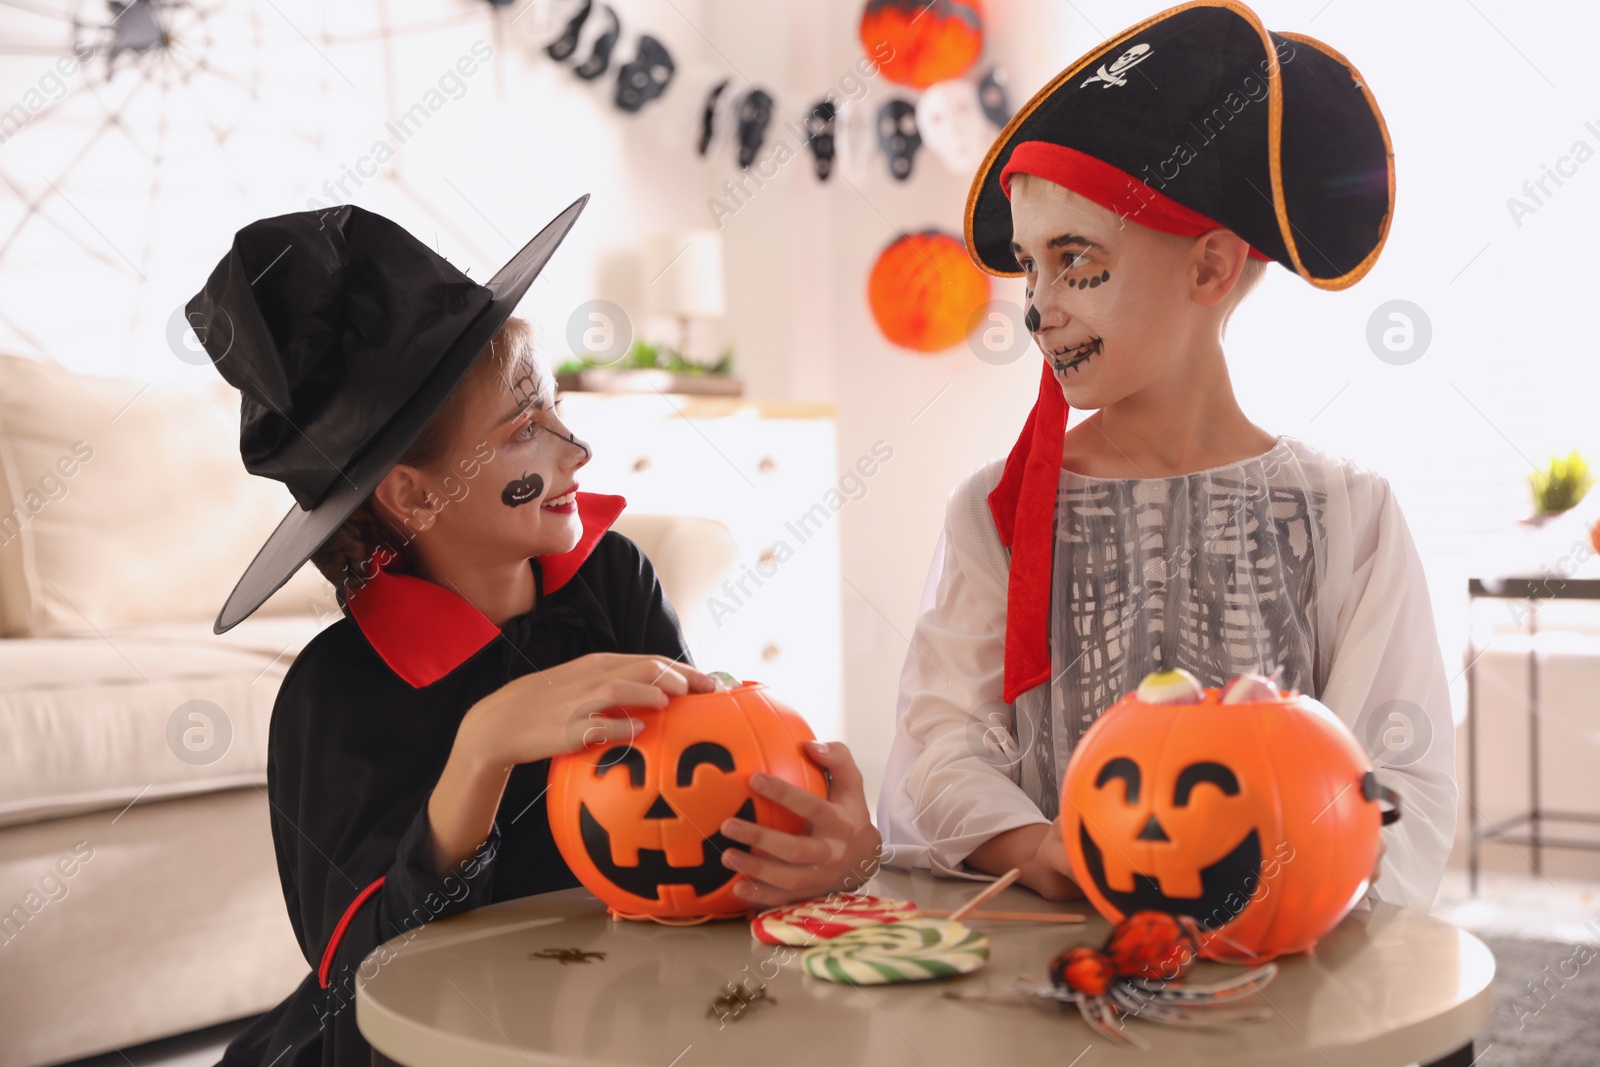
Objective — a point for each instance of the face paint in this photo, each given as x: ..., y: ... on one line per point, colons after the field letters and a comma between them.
x: 524, y: 490
x: 1098, y: 284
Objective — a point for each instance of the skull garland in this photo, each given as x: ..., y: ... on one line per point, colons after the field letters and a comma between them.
x: 562, y: 47
x: 755, y: 112
x: 898, y: 136
x: 646, y: 77
x: 819, y: 137
x: 708, y: 117
x: 992, y: 97
x: 600, y: 55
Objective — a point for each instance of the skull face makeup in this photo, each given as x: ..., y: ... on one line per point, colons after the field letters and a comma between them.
x: 898, y: 136
x: 1105, y: 295
x: 646, y: 77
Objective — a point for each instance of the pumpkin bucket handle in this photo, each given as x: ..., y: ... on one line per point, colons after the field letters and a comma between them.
x: 1372, y: 790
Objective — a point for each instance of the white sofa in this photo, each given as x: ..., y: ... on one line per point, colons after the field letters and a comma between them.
x: 139, y: 895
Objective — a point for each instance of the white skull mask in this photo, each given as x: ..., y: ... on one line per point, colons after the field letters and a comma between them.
x: 953, y: 125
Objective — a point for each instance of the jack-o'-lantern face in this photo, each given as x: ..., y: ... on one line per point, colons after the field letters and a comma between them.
x: 640, y: 823
x: 658, y: 840
x: 1256, y: 819
x: 1203, y: 806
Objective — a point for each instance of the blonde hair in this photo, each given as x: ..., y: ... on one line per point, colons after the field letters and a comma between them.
x: 346, y: 557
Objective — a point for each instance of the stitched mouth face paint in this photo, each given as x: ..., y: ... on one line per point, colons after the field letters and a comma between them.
x: 1098, y: 285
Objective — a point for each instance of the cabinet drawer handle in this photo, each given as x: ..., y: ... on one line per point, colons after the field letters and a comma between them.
x: 770, y: 651
x: 641, y: 464
x: 767, y: 465
x: 768, y: 559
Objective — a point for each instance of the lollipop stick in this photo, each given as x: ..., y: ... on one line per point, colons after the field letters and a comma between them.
x: 987, y: 895
x: 1010, y: 916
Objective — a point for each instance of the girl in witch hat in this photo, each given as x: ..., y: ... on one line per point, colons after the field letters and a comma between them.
x: 490, y: 616
x: 1141, y: 194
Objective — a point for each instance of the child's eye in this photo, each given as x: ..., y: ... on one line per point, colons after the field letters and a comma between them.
x: 1076, y: 259
x: 526, y: 433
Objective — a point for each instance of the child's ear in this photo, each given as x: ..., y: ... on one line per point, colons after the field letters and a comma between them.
x: 1221, y: 256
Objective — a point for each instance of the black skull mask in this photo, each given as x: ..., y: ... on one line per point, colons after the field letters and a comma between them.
x: 755, y: 111
x: 646, y: 77
x: 898, y: 136
x: 819, y: 135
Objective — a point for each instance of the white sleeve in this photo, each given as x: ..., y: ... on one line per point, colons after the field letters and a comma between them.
x: 1387, y: 682
x: 951, y: 781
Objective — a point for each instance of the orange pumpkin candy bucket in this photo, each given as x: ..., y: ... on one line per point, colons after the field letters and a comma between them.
x: 1254, y: 813
x: 639, y: 823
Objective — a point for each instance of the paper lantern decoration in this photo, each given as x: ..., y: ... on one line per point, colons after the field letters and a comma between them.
x: 639, y: 822
x: 931, y: 40
x: 1258, y: 819
x: 924, y: 291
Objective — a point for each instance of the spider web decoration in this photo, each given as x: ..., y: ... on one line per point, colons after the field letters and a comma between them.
x: 182, y: 120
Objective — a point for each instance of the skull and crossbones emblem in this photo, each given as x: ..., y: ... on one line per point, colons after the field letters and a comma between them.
x: 1115, y: 74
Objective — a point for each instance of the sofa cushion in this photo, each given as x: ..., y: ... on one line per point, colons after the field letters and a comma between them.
x: 147, y: 712
x: 124, y: 502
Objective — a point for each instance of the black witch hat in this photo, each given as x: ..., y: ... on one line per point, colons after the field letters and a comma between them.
x: 344, y: 335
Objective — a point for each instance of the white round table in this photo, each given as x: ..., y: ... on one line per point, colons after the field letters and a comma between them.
x: 1386, y: 988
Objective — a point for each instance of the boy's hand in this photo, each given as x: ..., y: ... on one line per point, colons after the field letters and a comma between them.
x: 839, y: 853
x: 1052, y: 876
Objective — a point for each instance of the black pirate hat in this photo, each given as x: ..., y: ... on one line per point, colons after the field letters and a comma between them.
x: 1272, y: 135
x: 345, y: 335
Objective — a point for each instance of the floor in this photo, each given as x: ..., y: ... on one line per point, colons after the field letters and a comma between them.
x: 1513, y: 906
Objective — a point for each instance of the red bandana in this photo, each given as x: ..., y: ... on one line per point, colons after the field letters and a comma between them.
x: 1023, y: 503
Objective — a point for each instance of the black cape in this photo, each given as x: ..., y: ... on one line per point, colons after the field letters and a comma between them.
x: 354, y: 753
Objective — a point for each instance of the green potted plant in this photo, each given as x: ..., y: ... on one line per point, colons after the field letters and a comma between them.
x: 650, y: 367
x: 1559, y: 486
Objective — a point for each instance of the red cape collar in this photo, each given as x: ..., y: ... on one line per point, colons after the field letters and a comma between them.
x: 423, y: 631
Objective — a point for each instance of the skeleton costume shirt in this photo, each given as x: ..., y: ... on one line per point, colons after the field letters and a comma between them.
x: 361, y: 729
x: 1293, y: 559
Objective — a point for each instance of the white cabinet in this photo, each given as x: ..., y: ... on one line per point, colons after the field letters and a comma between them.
x: 768, y: 471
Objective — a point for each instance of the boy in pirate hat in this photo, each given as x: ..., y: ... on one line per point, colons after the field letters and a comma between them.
x: 490, y: 617
x: 1140, y: 194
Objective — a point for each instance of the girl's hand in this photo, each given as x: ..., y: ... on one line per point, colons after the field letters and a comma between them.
x: 1051, y: 875
x: 559, y: 709
x: 563, y: 708
x: 840, y: 852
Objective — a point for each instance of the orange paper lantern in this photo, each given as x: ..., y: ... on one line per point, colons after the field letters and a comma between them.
x: 924, y: 291
x: 1257, y: 819
x: 931, y: 40
x: 639, y: 823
